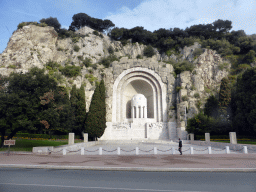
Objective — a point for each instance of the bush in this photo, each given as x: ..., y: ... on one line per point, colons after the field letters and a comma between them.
x: 178, y: 89
x: 51, y: 22
x: 139, y: 57
x: 149, y: 51
x: 196, y: 95
x: 222, y: 66
x: 71, y: 71
x: 185, y: 98
x: 108, y: 60
x: 197, y: 52
x: 183, y: 66
x: 96, y: 33
x: 110, y: 50
x: 76, y: 48
x: 87, y: 62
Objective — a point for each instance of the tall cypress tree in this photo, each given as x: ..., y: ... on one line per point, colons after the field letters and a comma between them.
x: 102, y: 120
x: 224, y: 97
x: 73, y: 102
x: 96, y: 119
x: 80, y: 110
x: 93, y: 116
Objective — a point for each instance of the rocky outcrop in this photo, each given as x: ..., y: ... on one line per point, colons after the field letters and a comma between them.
x: 34, y: 46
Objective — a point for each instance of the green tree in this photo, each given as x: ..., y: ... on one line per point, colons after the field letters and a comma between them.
x: 52, y: 22
x: 80, y: 111
x: 211, y: 107
x: 27, y: 102
x: 102, y: 119
x: 244, y: 118
x: 149, y: 51
x: 96, y: 119
x: 224, y: 98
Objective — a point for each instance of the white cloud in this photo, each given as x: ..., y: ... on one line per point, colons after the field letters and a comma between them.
x: 155, y: 14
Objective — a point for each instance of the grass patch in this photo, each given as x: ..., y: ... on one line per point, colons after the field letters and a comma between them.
x: 28, y: 144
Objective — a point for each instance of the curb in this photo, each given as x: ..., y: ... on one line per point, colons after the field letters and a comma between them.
x: 144, y: 169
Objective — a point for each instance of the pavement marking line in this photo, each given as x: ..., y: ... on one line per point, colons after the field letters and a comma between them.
x: 81, y: 187
x: 144, y: 169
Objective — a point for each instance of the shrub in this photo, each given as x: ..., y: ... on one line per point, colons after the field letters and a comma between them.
x: 75, y: 39
x: 183, y: 66
x: 139, y: 57
x: 149, y: 51
x: 185, y: 98
x: 50, y: 65
x: 178, y: 89
x: 116, y: 50
x: 76, y: 48
x: 87, y: 62
x: 197, y: 52
x: 71, y: 71
x: 196, y: 95
x: 12, y: 66
x: 111, y: 50
x: 96, y: 33
x: 108, y: 60
x: 94, y: 66
x: 222, y: 66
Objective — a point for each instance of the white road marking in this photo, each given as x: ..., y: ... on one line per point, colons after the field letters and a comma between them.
x: 81, y: 187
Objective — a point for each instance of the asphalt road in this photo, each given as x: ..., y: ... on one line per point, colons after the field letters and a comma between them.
x: 37, y: 180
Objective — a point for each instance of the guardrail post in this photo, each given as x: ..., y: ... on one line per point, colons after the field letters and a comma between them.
x: 227, y: 150
x: 191, y: 150
x: 100, y: 151
x: 64, y: 151
x: 82, y: 150
x: 137, y: 150
x: 245, y: 149
x: 155, y: 150
x: 210, y: 149
x: 173, y: 150
x: 118, y: 151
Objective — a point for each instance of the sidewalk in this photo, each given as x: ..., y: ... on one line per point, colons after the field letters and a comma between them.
x: 176, y: 162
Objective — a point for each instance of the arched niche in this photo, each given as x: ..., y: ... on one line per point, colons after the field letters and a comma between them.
x: 139, y: 81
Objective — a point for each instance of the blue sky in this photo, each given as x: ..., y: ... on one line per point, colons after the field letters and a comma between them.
x: 151, y: 14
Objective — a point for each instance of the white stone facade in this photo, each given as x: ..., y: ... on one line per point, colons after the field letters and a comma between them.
x: 139, y: 107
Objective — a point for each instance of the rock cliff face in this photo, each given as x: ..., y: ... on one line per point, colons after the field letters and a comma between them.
x: 34, y: 46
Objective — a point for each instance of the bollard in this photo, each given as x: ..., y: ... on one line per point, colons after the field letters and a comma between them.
x: 137, y: 150
x: 118, y: 151
x: 82, y: 150
x: 227, y: 150
x: 64, y: 151
x: 100, y: 151
x: 210, y: 149
x: 173, y: 150
x: 155, y: 150
x: 191, y: 150
x: 245, y: 149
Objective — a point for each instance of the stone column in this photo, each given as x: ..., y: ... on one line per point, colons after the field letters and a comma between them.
x: 232, y: 137
x: 137, y: 112
x: 85, y: 137
x: 192, y: 136
x: 132, y: 108
x: 207, y: 137
x: 71, y: 138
